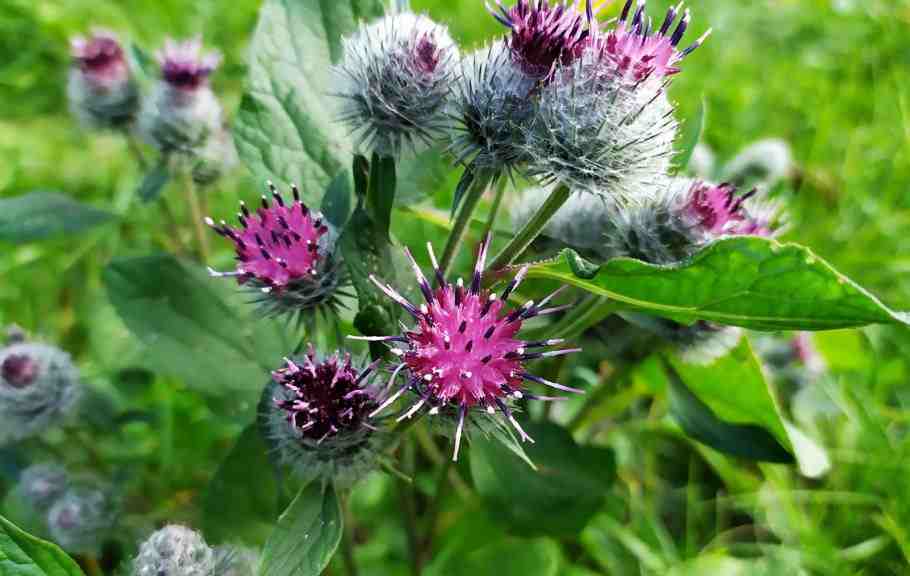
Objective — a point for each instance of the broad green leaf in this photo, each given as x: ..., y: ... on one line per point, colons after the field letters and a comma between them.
x: 287, y: 127
x: 307, y: 535
x: 539, y: 557
x: 154, y: 181
x: 727, y: 405
x: 421, y: 176
x: 336, y: 204
x: 751, y: 282
x: 195, y: 327
x: 559, y: 498
x: 40, y: 215
x: 692, y: 135
x: 240, y: 503
x: 22, y: 554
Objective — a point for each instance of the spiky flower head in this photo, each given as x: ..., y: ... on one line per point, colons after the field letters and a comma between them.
x: 543, y: 34
x: 463, y: 355
x: 394, y: 82
x: 491, y: 106
x: 632, y: 50
x: 286, y: 252
x: 175, y: 551
x: 81, y: 519
x: 599, y: 134
x: 42, y: 484
x: 183, y: 112
x: 317, y: 419
x: 39, y: 386
x: 101, y: 90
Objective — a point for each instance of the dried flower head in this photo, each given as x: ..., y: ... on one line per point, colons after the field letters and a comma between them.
x: 286, y: 252
x: 81, y: 519
x: 635, y: 52
x: 599, y: 134
x: 38, y: 387
x: 545, y: 35
x: 463, y: 355
x: 40, y: 485
x: 394, y: 81
x: 175, y: 551
x: 101, y: 89
x: 491, y: 106
x: 317, y: 420
x: 183, y: 112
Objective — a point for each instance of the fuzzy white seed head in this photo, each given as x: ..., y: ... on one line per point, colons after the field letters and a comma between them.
x: 39, y: 386
x: 492, y: 108
x: 394, y: 81
x: 175, y: 551
x: 597, y: 133
x: 40, y: 485
x: 763, y: 163
x: 81, y: 519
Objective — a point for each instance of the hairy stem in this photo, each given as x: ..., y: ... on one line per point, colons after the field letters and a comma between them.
x: 532, y: 229
x: 482, y: 182
x: 497, y: 204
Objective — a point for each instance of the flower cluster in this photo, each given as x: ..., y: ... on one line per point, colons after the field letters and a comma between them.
x: 463, y: 355
x: 317, y: 416
x: 286, y: 252
x: 393, y: 81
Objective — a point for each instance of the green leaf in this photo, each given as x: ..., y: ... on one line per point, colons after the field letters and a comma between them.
x: 336, y: 204
x: 752, y: 282
x: 421, y: 176
x: 540, y: 557
x: 559, y: 498
x: 241, y: 500
x: 40, y: 215
x: 692, y: 135
x: 307, y: 535
x: 154, y: 181
x: 287, y: 128
x: 194, y: 327
x: 728, y: 406
x: 22, y: 554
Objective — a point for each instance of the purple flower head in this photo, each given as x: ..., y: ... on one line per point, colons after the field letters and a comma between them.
x: 545, y: 35
x: 19, y: 370
x: 184, y: 66
x: 100, y: 59
x: 463, y: 355
x: 637, y: 52
x: 718, y: 211
x: 324, y: 398
x: 284, y: 250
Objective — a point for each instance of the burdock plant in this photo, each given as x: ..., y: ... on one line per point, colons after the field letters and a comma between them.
x: 101, y: 90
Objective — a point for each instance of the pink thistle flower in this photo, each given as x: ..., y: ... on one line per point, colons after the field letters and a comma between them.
x: 635, y: 53
x: 183, y: 64
x: 717, y: 210
x: 100, y: 59
x: 463, y: 354
x: 284, y: 250
x: 324, y: 398
x: 544, y: 35
x: 19, y: 370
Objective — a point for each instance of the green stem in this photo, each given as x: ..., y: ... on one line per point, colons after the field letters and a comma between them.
x: 482, y: 182
x: 442, y: 488
x: 532, y: 229
x: 408, y: 504
x: 192, y: 199
x: 347, y: 541
x: 497, y: 204
x: 136, y: 151
x: 599, y: 394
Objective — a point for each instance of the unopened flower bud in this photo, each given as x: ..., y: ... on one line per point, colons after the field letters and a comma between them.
x: 763, y: 163
x: 175, y: 551
x: 183, y: 112
x: 38, y: 387
x: 101, y: 90
x: 81, y: 519
x: 42, y: 484
x: 394, y: 80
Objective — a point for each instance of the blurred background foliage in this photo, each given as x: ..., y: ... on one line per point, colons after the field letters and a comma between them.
x: 831, y: 77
